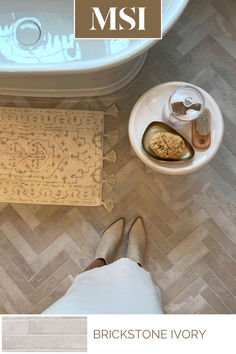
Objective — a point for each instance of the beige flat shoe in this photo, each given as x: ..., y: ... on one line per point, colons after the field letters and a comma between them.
x: 110, y: 240
x: 137, y: 241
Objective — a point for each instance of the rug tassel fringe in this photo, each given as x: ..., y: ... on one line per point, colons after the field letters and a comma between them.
x: 112, y: 137
x: 108, y: 204
x: 111, y: 156
x: 112, y: 111
x: 109, y: 182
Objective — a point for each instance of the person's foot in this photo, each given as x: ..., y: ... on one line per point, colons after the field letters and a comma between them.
x: 110, y: 241
x: 137, y: 241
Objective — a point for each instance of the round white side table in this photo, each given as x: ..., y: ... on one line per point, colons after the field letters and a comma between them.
x: 149, y: 108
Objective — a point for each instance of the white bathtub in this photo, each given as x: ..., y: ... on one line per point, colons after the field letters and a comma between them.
x: 39, y: 56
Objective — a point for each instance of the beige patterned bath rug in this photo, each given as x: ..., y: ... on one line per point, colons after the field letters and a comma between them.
x: 54, y: 156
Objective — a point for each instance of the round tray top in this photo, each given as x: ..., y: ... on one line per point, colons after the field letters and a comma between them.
x: 149, y: 109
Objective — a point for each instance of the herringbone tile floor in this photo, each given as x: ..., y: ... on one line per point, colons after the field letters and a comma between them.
x: 190, y: 220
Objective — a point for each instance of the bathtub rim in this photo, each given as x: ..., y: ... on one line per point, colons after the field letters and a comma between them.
x: 103, y: 63
x: 80, y: 91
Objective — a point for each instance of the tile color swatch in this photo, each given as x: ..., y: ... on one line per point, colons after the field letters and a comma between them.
x: 44, y: 333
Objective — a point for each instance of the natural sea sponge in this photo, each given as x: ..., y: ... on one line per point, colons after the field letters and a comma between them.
x: 167, y: 145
